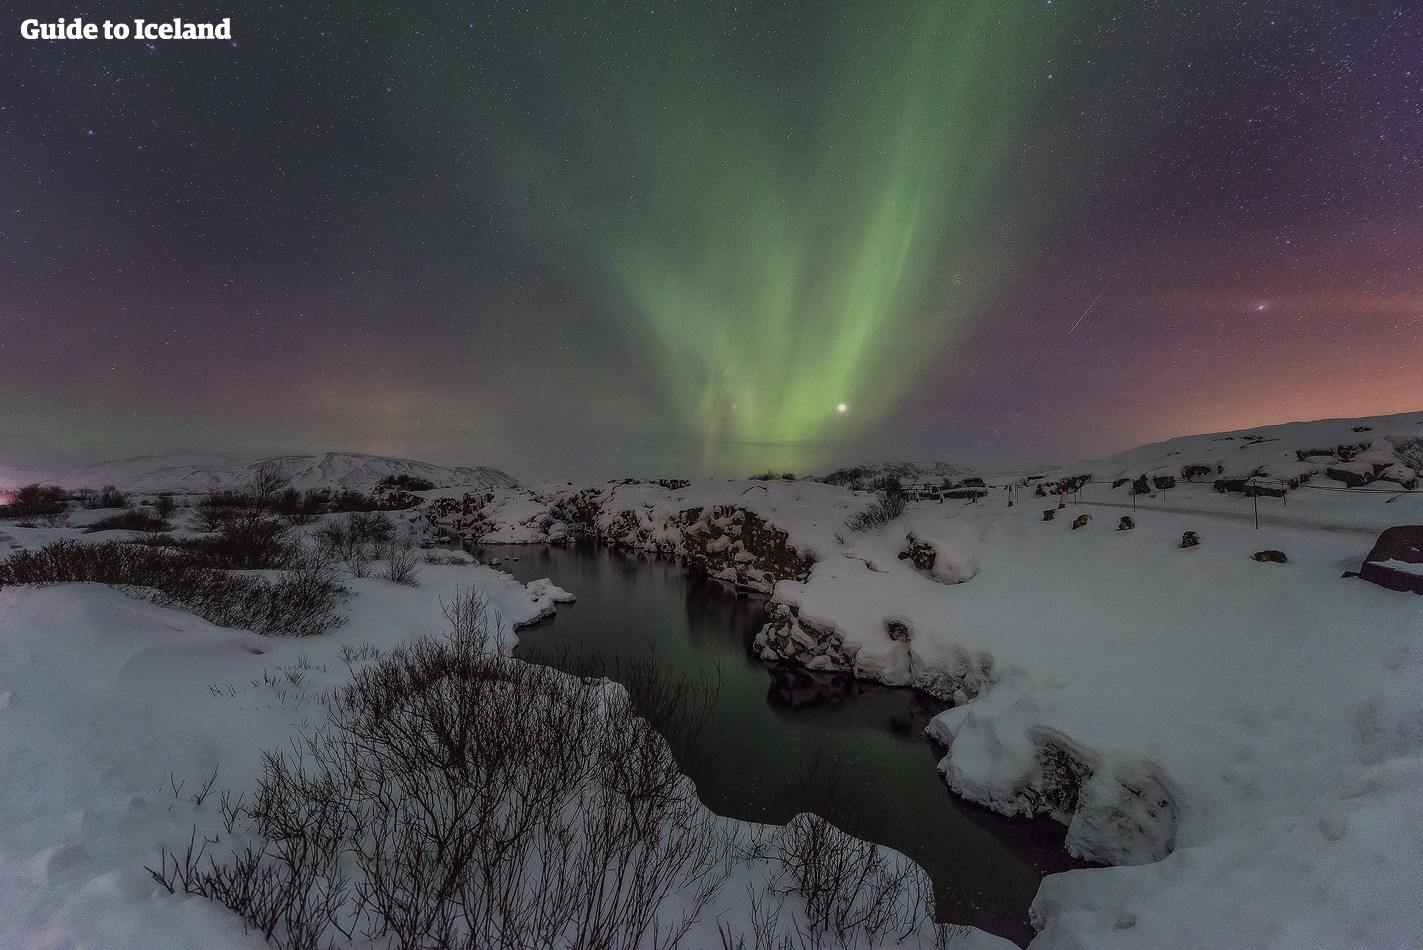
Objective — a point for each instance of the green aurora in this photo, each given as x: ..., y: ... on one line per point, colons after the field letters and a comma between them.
x: 788, y: 232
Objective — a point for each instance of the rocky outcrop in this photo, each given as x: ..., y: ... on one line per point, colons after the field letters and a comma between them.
x: 1396, y: 560
x: 922, y: 554
x: 496, y: 515
x: 726, y: 542
x: 811, y: 642
x: 939, y: 566
x: 1195, y: 471
x: 1118, y: 810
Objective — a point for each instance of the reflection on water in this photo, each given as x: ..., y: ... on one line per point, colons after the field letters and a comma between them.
x: 784, y: 739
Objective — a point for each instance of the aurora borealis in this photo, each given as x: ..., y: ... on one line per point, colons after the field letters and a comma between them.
x: 610, y: 239
x: 775, y: 285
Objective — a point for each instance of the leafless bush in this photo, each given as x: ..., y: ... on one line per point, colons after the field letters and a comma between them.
x: 851, y: 888
x: 215, y: 508
x: 877, y: 514
x: 55, y: 519
x: 106, y: 497
x: 358, y: 564
x: 134, y: 519
x: 357, y: 539
x: 246, y: 540
x: 474, y: 801
x: 680, y: 707
x: 301, y: 602
x: 400, y: 565
x: 35, y: 501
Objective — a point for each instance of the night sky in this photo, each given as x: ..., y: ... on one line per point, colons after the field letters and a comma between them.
x: 588, y: 240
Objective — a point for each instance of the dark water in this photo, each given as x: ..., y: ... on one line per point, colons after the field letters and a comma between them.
x: 782, y: 740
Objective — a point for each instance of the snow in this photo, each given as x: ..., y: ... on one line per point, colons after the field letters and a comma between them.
x: 1407, y: 567
x: 122, y: 725
x: 1212, y: 703
x: 1242, y: 741
x: 545, y: 595
x: 1276, y: 452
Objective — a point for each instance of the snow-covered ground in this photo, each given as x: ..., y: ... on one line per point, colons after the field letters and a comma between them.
x: 1258, y: 726
x: 114, y: 713
x: 1243, y: 740
x: 128, y: 728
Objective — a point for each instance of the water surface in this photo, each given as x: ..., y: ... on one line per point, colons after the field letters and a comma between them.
x: 782, y: 740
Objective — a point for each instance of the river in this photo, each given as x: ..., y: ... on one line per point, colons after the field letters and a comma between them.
x: 782, y: 740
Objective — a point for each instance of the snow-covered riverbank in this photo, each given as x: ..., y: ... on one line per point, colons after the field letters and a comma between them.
x: 1243, y: 737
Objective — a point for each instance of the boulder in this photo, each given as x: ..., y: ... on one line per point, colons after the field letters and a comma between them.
x: 1195, y: 470
x: 898, y: 630
x: 1127, y: 523
x: 1272, y: 556
x: 1396, y: 560
x: 1355, y: 476
x: 1163, y: 482
x: 1050, y: 514
x: 1080, y: 521
x: 1190, y: 539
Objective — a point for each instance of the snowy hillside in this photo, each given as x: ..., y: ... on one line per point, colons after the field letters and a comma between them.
x: 909, y: 473
x: 1346, y: 452
x: 194, y: 472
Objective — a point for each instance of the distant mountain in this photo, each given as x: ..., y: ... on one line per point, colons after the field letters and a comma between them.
x: 908, y: 473
x: 196, y: 472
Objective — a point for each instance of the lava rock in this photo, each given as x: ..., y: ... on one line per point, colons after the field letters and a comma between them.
x: 898, y: 630
x: 1396, y: 560
x: 1353, y: 479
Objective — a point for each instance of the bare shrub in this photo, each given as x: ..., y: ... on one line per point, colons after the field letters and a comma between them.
x: 215, y: 508
x: 135, y: 519
x: 266, y: 483
x: 400, y: 565
x: 680, y: 707
x: 301, y: 602
x: 357, y: 539
x: 878, y: 513
x: 462, y: 798
x: 35, y: 501
x: 852, y: 889
x: 106, y: 497
x: 245, y: 539
x: 55, y: 519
